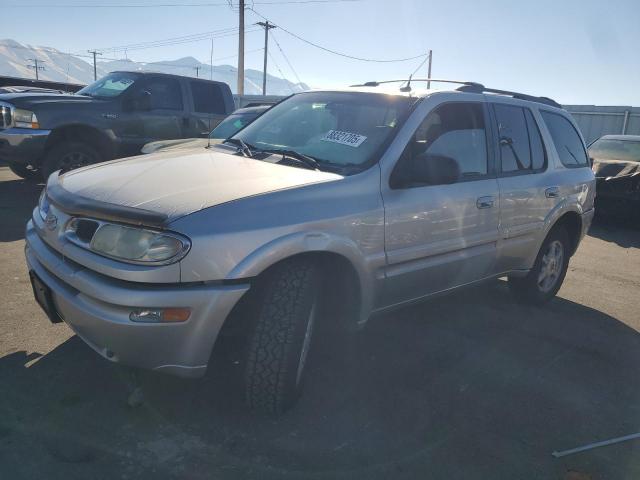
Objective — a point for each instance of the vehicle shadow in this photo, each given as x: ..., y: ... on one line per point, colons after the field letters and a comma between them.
x: 467, y: 386
x: 626, y: 235
x: 17, y: 199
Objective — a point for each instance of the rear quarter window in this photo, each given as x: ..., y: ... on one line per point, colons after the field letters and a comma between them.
x: 566, y: 139
x: 207, y: 97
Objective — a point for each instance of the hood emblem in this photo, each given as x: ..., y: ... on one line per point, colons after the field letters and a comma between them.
x: 51, y: 221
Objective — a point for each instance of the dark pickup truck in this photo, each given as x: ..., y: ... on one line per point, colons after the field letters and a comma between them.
x: 111, y: 118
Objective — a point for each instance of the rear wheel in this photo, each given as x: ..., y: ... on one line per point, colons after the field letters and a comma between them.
x: 285, y: 313
x: 23, y: 172
x: 68, y: 156
x: 548, y: 272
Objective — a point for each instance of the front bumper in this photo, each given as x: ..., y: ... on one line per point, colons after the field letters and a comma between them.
x: 24, y: 146
x: 97, y: 309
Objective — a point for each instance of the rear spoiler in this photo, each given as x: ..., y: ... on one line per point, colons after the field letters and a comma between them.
x: 74, y: 204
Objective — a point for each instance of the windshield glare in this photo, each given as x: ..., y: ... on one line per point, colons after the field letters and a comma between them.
x: 337, y: 128
x: 110, y: 86
x: 231, y: 125
x: 626, y: 150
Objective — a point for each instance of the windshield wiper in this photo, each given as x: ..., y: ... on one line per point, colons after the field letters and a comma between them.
x: 301, y: 157
x: 243, y: 148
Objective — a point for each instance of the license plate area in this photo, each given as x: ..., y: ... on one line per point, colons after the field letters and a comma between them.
x: 44, y: 297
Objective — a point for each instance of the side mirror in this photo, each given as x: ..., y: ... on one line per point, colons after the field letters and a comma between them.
x: 434, y: 170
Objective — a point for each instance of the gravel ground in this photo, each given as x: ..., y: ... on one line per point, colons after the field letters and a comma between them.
x: 471, y: 385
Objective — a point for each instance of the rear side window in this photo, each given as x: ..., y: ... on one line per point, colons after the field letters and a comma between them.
x: 207, y: 97
x: 538, y: 153
x: 166, y: 93
x: 515, y: 152
x: 566, y: 140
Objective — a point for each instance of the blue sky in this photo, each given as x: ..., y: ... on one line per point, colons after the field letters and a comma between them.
x: 574, y: 51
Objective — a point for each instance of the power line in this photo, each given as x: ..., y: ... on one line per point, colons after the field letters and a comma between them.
x: 352, y: 57
x: 163, y: 5
x: 286, y: 59
x: 280, y: 70
x: 169, y: 43
x: 198, y: 36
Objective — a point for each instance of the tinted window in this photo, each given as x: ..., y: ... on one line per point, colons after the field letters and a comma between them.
x: 538, y: 153
x: 515, y: 153
x: 605, y: 149
x: 566, y: 140
x: 455, y: 130
x: 207, y: 97
x: 166, y: 93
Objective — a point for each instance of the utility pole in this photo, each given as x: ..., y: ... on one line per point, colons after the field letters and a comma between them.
x: 241, y: 50
x: 36, y: 67
x: 429, y: 69
x: 267, y: 26
x: 95, y: 72
x: 197, y: 69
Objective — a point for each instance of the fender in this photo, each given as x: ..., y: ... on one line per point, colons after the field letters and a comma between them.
x: 566, y: 206
x: 305, y: 242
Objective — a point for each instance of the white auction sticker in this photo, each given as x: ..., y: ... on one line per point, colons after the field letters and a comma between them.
x: 344, y: 138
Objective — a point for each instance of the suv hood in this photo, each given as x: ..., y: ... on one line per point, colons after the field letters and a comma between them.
x: 174, y: 183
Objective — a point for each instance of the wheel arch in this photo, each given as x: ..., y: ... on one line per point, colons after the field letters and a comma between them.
x: 567, y: 216
x: 77, y: 132
x: 348, y: 284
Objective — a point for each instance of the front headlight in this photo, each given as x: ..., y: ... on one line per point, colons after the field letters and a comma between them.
x: 43, y: 204
x: 138, y: 245
x: 25, y: 119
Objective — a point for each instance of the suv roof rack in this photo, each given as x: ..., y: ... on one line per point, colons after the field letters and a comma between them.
x: 471, y: 87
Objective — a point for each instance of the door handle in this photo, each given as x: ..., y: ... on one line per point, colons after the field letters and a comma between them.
x: 485, y: 202
x: 552, y: 192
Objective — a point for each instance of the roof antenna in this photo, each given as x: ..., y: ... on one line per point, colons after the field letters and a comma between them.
x: 407, y: 87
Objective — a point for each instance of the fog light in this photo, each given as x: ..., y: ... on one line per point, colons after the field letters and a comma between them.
x: 160, y: 315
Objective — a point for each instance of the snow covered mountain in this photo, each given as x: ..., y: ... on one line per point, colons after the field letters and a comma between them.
x: 62, y: 67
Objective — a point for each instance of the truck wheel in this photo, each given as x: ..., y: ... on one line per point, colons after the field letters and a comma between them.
x: 67, y: 156
x: 22, y: 172
x: 545, y: 278
x: 279, y: 343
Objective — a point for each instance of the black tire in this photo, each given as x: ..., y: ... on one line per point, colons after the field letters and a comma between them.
x: 531, y: 289
x: 22, y: 172
x: 68, y: 156
x: 285, y: 311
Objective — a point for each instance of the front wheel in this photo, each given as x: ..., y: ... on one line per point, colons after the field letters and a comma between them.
x: 68, y: 156
x: 545, y: 278
x: 279, y: 343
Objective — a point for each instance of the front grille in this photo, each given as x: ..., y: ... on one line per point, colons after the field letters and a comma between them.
x: 5, y: 116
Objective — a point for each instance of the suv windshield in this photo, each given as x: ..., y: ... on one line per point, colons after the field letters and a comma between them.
x: 110, y: 86
x: 338, y: 128
x: 232, y: 124
x: 627, y: 150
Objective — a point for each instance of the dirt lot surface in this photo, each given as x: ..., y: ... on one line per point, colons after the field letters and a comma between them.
x: 467, y: 386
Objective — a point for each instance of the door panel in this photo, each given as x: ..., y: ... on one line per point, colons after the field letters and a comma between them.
x: 437, y: 238
x: 442, y: 236
x: 207, y: 108
x: 524, y: 183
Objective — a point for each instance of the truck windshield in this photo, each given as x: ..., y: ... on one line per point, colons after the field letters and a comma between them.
x: 110, y: 86
x: 343, y: 129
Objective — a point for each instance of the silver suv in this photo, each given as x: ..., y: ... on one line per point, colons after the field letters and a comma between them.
x: 330, y: 207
